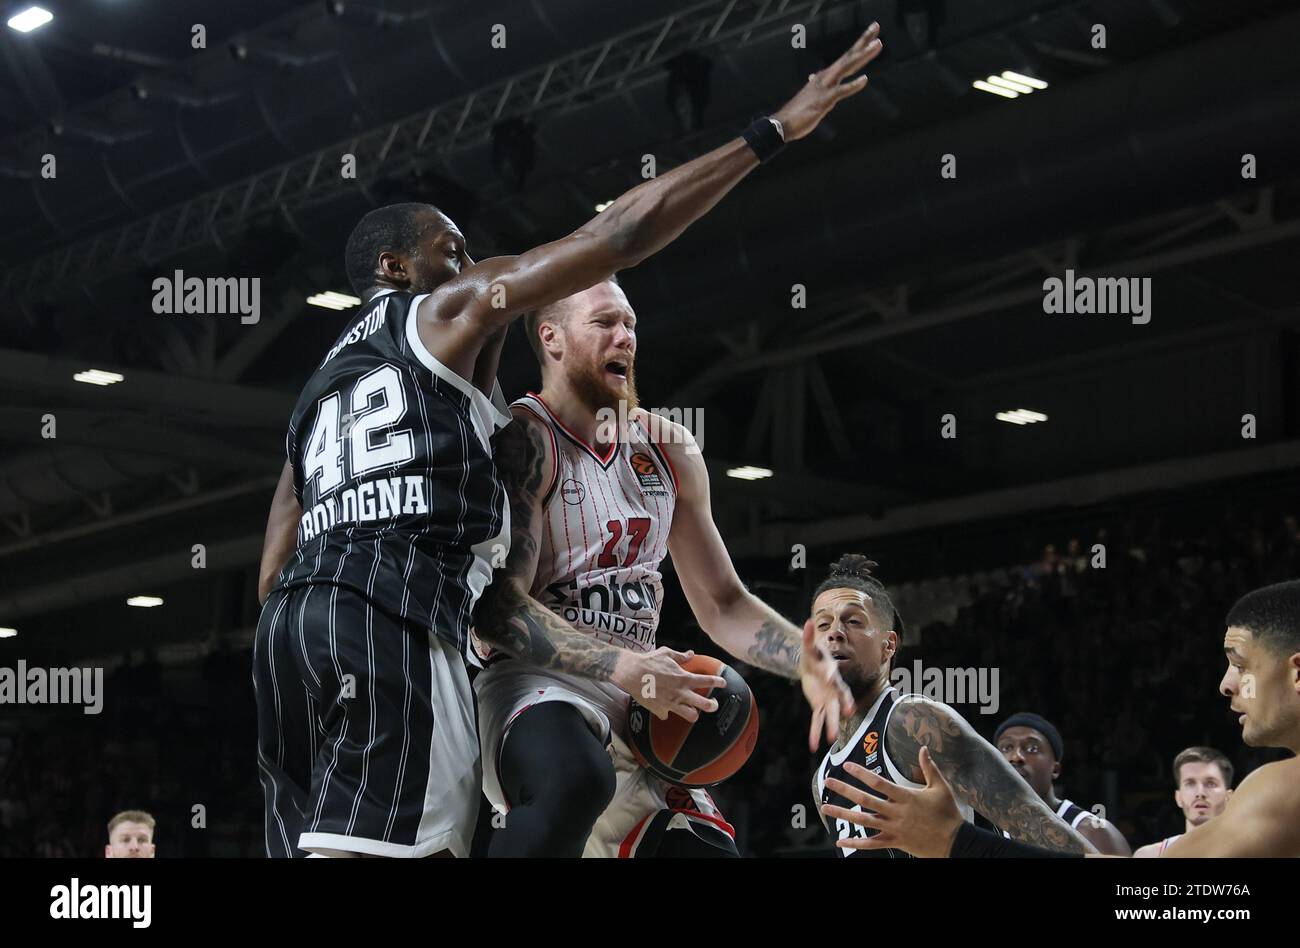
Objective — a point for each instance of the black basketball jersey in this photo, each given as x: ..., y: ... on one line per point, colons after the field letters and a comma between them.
x: 392, y: 464
x: 866, y: 748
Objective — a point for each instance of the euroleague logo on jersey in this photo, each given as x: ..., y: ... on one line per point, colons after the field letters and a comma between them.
x: 573, y: 492
x: 869, y: 746
x: 647, y: 474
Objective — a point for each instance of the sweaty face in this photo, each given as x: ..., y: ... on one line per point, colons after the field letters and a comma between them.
x: 1031, y: 754
x: 1202, y: 793
x: 440, y: 254
x: 598, y: 340
x: 844, y: 624
x: 1263, y: 689
x: 130, y: 841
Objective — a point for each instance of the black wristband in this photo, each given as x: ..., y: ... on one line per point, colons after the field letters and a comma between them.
x: 972, y: 842
x: 763, y: 137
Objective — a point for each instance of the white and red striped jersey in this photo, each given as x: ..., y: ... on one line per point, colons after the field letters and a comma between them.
x: 605, y: 532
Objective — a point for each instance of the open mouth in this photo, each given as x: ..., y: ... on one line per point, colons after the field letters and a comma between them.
x: 617, y: 368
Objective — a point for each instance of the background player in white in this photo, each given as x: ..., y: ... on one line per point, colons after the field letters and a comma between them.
x: 596, y: 506
x: 386, y: 605
x: 1262, y: 819
x: 130, y: 836
x: 1202, y: 788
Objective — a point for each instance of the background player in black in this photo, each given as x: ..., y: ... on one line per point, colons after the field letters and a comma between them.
x: 320, y: 658
x: 1033, y: 746
x: 853, y: 617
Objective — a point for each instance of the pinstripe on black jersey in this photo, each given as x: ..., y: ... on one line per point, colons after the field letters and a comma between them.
x: 392, y: 464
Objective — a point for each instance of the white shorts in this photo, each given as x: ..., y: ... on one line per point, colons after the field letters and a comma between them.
x: 510, y: 687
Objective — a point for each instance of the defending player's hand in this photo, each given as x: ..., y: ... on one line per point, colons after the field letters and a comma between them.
x: 657, y: 681
x: 921, y: 822
x: 824, y: 89
x: 828, y: 696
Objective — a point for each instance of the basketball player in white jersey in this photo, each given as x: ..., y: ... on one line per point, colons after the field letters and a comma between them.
x: 597, y: 503
x: 855, y: 620
x: 1033, y: 746
x: 1262, y: 818
x: 1202, y: 788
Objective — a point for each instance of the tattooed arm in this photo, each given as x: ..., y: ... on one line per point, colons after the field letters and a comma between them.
x: 733, y: 617
x: 979, y: 775
x: 509, y: 619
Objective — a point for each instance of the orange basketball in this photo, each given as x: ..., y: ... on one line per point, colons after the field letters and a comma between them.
x: 705, y: 752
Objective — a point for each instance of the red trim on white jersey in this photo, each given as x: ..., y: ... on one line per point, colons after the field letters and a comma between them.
x: 613, y: 448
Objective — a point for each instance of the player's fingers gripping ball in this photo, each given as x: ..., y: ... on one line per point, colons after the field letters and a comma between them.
x: 704, y: 752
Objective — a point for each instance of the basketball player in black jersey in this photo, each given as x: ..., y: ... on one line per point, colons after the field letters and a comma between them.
x: 389, y: 514
x: 1262, y: 819
x: 855, y: 620
x: 1033, y: 746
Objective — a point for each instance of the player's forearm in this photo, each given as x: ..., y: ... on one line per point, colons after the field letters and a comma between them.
x: 980, y: 777
x: 972, y: 842
x: 523, y: 628
x: 650, y: 216
x: 756, y: 634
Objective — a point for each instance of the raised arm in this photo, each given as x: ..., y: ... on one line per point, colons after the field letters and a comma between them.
x: 461, y: 312
x: 732, y: 616
x: 979, y: 775
x: 508, y: 618
x: 281, y: 533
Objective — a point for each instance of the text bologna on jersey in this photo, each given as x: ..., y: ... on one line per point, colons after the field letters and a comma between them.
x: 381, y: 499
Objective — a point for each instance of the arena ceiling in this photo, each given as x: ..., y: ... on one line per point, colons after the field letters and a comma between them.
x: 924, y: 294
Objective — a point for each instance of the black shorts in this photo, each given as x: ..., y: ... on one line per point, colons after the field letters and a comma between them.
x: 366, y: 740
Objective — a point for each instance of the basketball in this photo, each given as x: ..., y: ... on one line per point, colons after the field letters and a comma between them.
x: 704, y: 752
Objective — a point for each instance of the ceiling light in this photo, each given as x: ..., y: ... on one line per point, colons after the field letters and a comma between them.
x: 988, y: 87
x: 8, y: 633
x: 1020, y: 416
x: 1008, y: 84
x: 331, y: 300
x: 98, y: 377
x: 1021, y: 78
x: 144, y: 602
x: 30, y: 19
x: 748, y: 473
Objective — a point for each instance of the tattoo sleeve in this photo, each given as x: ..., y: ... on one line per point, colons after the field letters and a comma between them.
x: 776, y: 648
x: 980, y: 776
x: 507, y: 617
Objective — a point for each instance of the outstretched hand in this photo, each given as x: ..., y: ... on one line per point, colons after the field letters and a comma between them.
x: 826, y: 88
x: 828, y: 696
